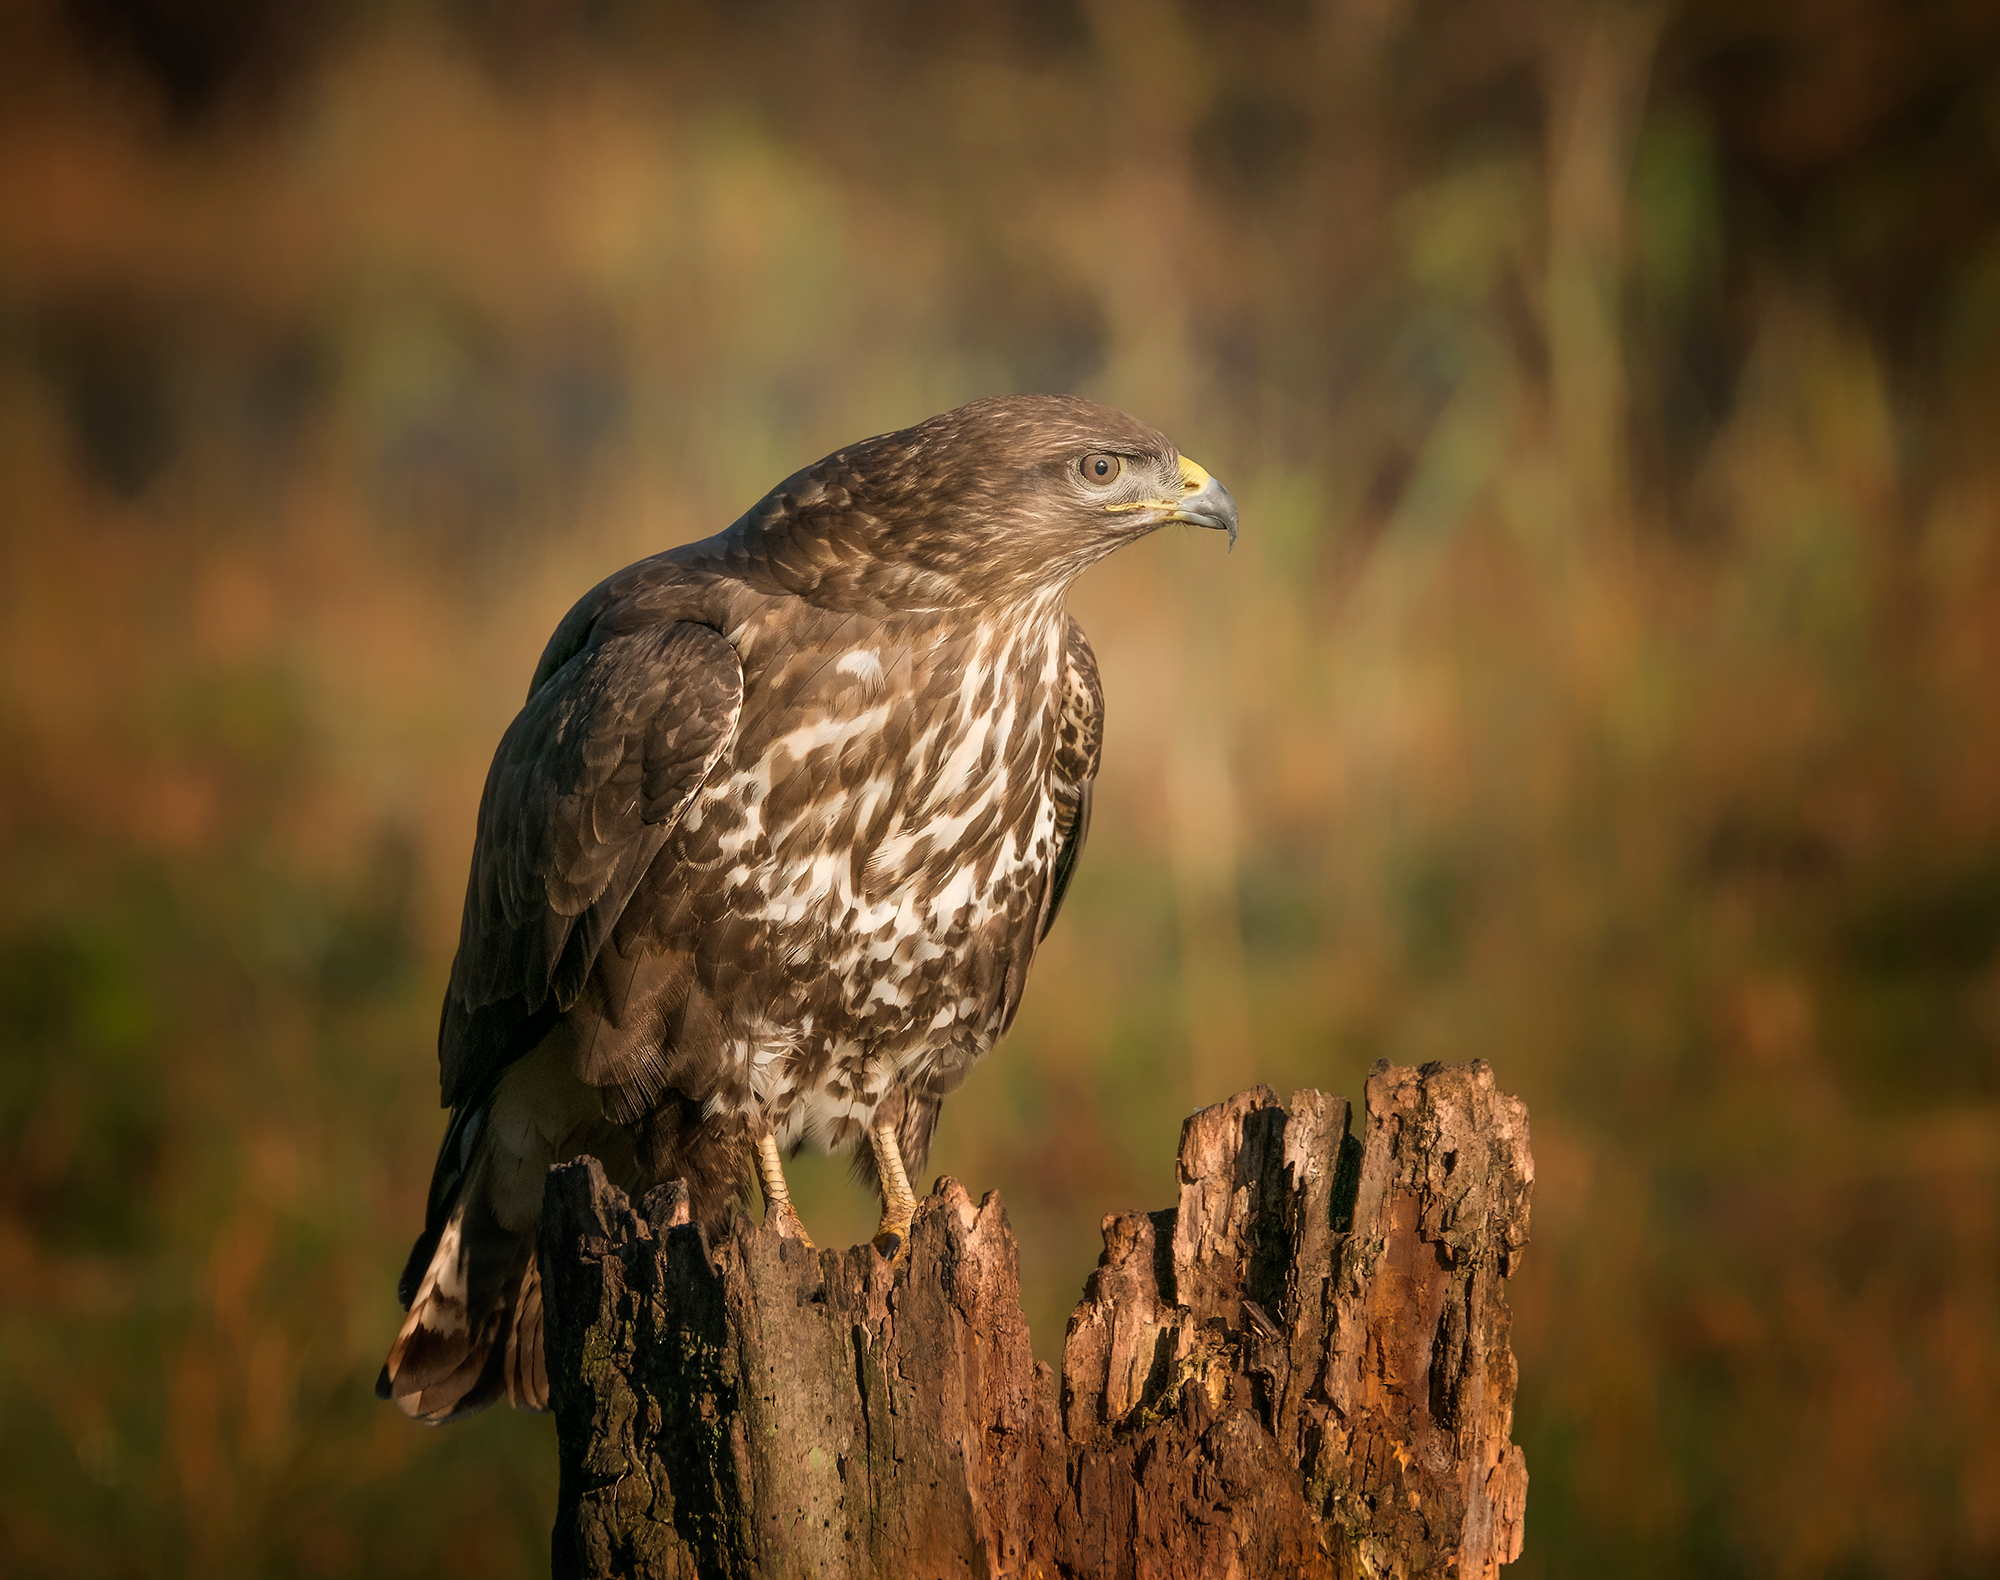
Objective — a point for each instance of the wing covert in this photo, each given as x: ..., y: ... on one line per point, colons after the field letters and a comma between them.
x: 1073, y: 770
x: 587, y: 784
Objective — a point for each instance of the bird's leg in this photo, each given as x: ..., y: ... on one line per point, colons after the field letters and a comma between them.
x: 899, y: 1202
x: 778, y: 1209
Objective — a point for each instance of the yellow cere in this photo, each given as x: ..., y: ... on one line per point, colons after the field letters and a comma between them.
x: 1194, y: 478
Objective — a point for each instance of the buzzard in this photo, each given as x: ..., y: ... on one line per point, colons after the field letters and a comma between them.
x: 763, y: 859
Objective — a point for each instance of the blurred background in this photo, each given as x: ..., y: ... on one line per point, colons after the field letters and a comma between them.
x: 1605, y: 683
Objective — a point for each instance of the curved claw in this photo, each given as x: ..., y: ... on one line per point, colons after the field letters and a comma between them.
x: 899, y: 1202
x: 784, y: 1217
x: 892, y: 1239
x: 779, y: 1213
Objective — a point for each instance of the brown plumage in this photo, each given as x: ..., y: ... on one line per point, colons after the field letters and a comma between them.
x: 765, y: 857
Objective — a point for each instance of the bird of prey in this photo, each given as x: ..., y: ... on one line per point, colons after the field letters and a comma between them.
x: 764, y: 858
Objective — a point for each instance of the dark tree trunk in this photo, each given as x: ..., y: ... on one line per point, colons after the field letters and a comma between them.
x: 1300, y: 1369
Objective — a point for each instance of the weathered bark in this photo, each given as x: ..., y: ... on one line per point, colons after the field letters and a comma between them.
x: 1300, y: 1369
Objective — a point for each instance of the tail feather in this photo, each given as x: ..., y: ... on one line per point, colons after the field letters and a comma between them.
x: 464, y: 1343
x: 471, y: 1286
x: 526, y: 1367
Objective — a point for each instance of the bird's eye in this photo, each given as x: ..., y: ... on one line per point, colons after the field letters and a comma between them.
x: 1100, y: 469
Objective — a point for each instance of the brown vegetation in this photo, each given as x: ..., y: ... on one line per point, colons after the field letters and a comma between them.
x: 1603, y: 685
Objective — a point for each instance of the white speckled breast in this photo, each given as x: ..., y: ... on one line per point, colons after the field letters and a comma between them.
x: 884, y: 832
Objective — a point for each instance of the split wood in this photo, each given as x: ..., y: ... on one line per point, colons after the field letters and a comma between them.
x: 1301, y: 1369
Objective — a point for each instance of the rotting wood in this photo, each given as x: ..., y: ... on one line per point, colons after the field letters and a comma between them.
x: 1300, y: 1369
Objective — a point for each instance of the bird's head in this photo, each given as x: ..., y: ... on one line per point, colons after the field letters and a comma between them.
x: 991, y: 502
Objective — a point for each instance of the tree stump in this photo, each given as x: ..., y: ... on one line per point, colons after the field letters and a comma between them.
x: 1300, y: 1369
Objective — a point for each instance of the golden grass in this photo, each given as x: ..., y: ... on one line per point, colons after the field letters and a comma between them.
x: 1654, y: 758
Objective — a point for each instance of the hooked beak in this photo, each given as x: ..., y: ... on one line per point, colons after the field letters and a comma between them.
x: 1204, y: 502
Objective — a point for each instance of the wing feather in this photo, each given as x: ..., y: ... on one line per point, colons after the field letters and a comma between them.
x: 588, y: 782
x: 1071, y: 773
x: 1073, y: 770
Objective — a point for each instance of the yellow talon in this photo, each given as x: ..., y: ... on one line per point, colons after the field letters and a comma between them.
x: 779, y: 1213
x: 899, y: 1202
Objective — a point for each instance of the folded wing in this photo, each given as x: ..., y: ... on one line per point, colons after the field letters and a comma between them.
x: 587, y: 785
